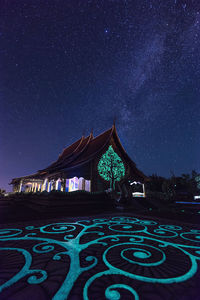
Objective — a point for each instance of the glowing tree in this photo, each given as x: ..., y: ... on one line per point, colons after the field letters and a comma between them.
x: 111, y: 167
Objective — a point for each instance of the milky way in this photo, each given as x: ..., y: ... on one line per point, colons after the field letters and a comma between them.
x: 69, y: 66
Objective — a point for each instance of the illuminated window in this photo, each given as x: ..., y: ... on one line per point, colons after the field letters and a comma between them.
x: 73, y: 184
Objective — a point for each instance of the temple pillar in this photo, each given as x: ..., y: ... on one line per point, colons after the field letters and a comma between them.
x: 49, y: 186
x: 20, y: 185
x: 144, y: 192
x: 39, y: 187
x: 35, y: 187
x: 44, y: 185
x: 63, y: 185
x: 88, y: 185
x: 52, y: 185
x: 81, y: 183
x: 58, y: 184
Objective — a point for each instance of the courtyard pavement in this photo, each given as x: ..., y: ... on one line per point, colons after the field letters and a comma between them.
x: 100, y: 257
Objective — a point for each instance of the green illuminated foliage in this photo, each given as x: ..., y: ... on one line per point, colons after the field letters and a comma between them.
x: 111, y: 167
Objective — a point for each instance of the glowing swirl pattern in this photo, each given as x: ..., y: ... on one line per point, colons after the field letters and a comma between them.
x: 102, y: 258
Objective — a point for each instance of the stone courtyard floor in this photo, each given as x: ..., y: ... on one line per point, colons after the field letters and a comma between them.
x: 116, y: 256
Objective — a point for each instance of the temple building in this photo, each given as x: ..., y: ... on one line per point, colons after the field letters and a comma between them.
x: 91, y: 164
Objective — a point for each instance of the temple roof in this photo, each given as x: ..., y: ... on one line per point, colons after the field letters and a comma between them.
x: 66, y: 153
x: 83, y: 151
x: 27, y: 177
x: 92, y: 147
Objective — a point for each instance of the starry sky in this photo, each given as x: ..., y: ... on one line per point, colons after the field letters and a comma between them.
x: 67, y: 67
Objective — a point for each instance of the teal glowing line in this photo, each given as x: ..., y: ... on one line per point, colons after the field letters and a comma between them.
x: 165, y: 243
x: 188, y: 202
x: 140, y: 254
x: 124, y: 226
x: 111, y: 294
x: 141, y: 250
x: 162, y: 233
x: 146, y: 222
x: 177, y: 279
x: 125, y: 219
x: 170, y: 227
x: 45, y: 248
x: 190, y: 239
x: 91, y: 279
x: 73, y: 274
x: 24, y: 271
x: 64, y: 227
x: 5, y: 232
x: 73, y: 247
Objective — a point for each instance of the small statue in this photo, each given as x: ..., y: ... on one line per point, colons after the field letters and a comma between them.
x: 125, y: 190
x: 124, y: 195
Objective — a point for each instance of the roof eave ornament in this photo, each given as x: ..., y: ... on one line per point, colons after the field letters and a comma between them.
x: 91, y: 133
x: 114, y: 122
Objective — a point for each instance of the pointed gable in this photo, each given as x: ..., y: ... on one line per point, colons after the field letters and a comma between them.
x: 140, y: 176
x: 75, y: 155
x: 95, y: 146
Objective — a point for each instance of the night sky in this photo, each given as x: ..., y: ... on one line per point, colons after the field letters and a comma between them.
x: 67, y: 67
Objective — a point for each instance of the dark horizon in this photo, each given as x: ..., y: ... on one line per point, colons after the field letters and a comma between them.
x: 69, y: 67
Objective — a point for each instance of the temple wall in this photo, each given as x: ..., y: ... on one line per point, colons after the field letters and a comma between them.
x: 71, y: 184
